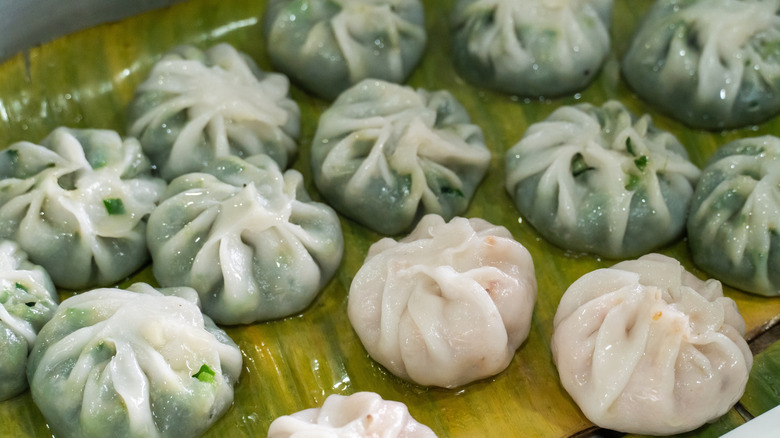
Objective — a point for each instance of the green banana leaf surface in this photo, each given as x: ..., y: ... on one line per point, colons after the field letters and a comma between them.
x: 86, y: 80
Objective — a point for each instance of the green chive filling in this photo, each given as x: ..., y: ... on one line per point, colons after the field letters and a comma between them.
x: 205, y: 374
x: 114, y: 206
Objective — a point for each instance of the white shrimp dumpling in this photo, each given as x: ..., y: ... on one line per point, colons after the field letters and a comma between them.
x: 446, y: 305
x: 646, y: 347
x: 140, y: 362
x: 360, y: 415
x: 197, y: 105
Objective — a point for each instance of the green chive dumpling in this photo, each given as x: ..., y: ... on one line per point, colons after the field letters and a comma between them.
x: 77, y: 203
x: 196, y: 105
x: 326, y: 46
x: 712, y: 64
x: 247, y: 237
x: 140, y: 362
x: 734, y: 220
x: 28, y: 300
x: 385, y: 155
x: 531, y: 47
x: 598, y: 180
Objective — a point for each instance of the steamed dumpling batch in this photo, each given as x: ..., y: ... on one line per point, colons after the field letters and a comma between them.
x: 645, y: 347
x: 28, y: 300
x: 132, y: 363
x: 531, y: 47
x: 712, y: 64
x: 360, y: 415
x: 197, y: 105
x: 385, y: 154
x: 446, y: 305
x: 734, y: 220
x: 77, y: 203
x: 247, y: 237
x: 326, y: 46
x: 599, y: 180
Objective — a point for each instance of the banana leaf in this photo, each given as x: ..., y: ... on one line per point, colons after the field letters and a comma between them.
x: 86, y: 80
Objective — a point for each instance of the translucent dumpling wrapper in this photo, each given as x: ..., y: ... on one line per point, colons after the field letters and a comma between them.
x: 645, y: 347
x: 196, y: 105
x: 247, y: 237
x: 28, y: 300
x: 531, y: 47
x: 712, y: 64
x: 360, y: 415
x: 446, y: 305
x: 385, y: 155
x: 734, y: 219
x: 77, y: 203
x: 326, y: 46
x: 599, y: 180
x: 139, y: 362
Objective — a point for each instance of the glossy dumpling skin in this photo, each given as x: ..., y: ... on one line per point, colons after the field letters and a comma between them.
x: 247, y: 237
x: 446, y: 305
x: 386, y: 154
x: 28, y: 300
x: 712, y: 64
x: 734, y: 220
x: 326, y: 46
x: 196, y: 105
x: 77, y: 203
x: 531, y: 47
x: 645, y: 347
x: 360, y: 415
x: 599, y: 180
x: 139, y: 362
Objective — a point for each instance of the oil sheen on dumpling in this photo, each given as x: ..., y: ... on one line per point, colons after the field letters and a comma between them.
x: 360, y: 415
x: 446, y: 305
x: 645, y: 347
x: 247, y: 237
x: 734, y: 222
x: 326, y: 46
x: 77, y: 203
x: 712, y: 64
x: 196, y: 105
x: 531, y: 47
x: 140, y: 362
x: 598, y: 180
x: 28, y: 300
x: 385, y: 154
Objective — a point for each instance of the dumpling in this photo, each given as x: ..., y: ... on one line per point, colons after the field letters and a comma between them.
x: 645, y: 347
x: 734, y: 219
x: 247, y: 237
x: 363, y: 414
x: 446, y: 305
x: 599, y: 180
x: 385, y: 154
x: 77, y: 203
x: 28, y: 300
x: 327, y: 46
x: 132, y: 363
x: 531, y: 47
x: 712, y: 64
x: 197, y: 105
